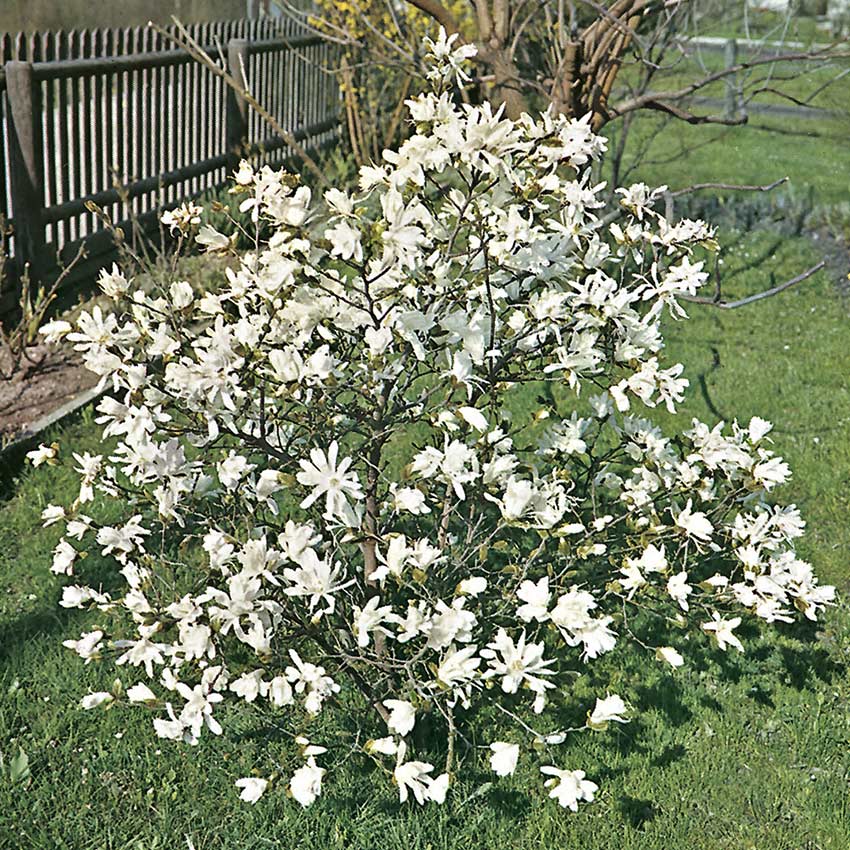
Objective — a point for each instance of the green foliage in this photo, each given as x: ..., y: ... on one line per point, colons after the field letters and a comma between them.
x: 19, y: 768
x: 836, y: 220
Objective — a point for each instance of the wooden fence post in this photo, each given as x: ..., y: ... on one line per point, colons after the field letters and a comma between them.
x: 26, y: 161
x: 237, y: 107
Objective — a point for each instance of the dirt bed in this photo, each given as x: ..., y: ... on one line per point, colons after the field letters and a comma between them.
x: 46, y: 380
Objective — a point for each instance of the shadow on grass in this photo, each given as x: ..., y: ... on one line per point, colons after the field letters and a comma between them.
x: 665, y: 696
x: 635, y: 811
x: 814, y: 662
x: 44, y: 622
x: 510, y: 804
x: 669, y: 755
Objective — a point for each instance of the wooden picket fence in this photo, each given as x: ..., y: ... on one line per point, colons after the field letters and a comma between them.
x: 120, y: 119
x: 48, y: 45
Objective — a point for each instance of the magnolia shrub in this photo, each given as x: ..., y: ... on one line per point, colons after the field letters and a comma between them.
x: 331, y: 476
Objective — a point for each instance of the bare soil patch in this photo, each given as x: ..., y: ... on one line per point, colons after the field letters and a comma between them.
x: 47, y: 379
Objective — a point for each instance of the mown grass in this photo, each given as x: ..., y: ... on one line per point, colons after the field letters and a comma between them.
x: 729, y: 752
x: 670, y: 152
x: 771, y: 26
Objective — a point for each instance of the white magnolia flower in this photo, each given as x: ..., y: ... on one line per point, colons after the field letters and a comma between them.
x: 345, y: 241
x: 517, y: 663
x: 335, y: 482
x: 171, y: 729
x: 474, y: 417
x: 88, y: 646
x: 378, y: 340
x: 340, y: 202
x: 383, y: 746
x: 43, y: 454
x: 679, y: 589
x: 393, y: 559
x: 183, y: 218
x: 413, y: 777
x: 212, y: 240
x: 723, y: 631
x: 369, y: 618
x: 503, y: 758
x: 474, y: 586
x: 53, y: 332
x: 315, y: 578
x: 64, y: 556
x: 516, y: 499
x: 96, y: 699
x: 140, y: 693
x: 252, y: 788
x: 306, y: 783
x: 52, y: 514
x: 402, y: 716
x: 458, y: 667
x: 632, y: 578
x: 770, y: 471
x: 569, y: 787
x: 113, y: 283
x: 536, y: 598
x: 653, y: 559
x: 233, y: 469
x: 248, y: 686
x: 181, y: 294
x: 410, y: 499
x: 669, y: 655
x: 312, y: 681
x: 758, y: 429
x: 448, y: 59
x: 456, y: 465
x: 694, y: 523
x: 438, y: 789
x: 280, y: 692
x: 611, y: 709
x: 308, y: 749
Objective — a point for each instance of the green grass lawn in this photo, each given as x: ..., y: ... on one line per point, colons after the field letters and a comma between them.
x: 741, y: 21
x: 767, y: 149
x: 729, y: 752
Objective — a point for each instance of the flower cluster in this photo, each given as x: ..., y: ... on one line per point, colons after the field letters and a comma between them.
x: 407, y: 450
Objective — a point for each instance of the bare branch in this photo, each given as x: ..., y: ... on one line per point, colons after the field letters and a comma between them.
x: 185, y: 40
x: 689, y: 117
x: 759, y: 296
x: 753, y: 93
x: 731, y: 187
x: 826, y: 85
x: 439, y: 13
x: 650, y: 98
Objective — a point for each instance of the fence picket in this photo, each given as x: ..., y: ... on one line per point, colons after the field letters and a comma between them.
x: 135, y: 133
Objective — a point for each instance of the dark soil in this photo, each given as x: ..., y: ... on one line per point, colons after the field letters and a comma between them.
x: 46, y: 379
